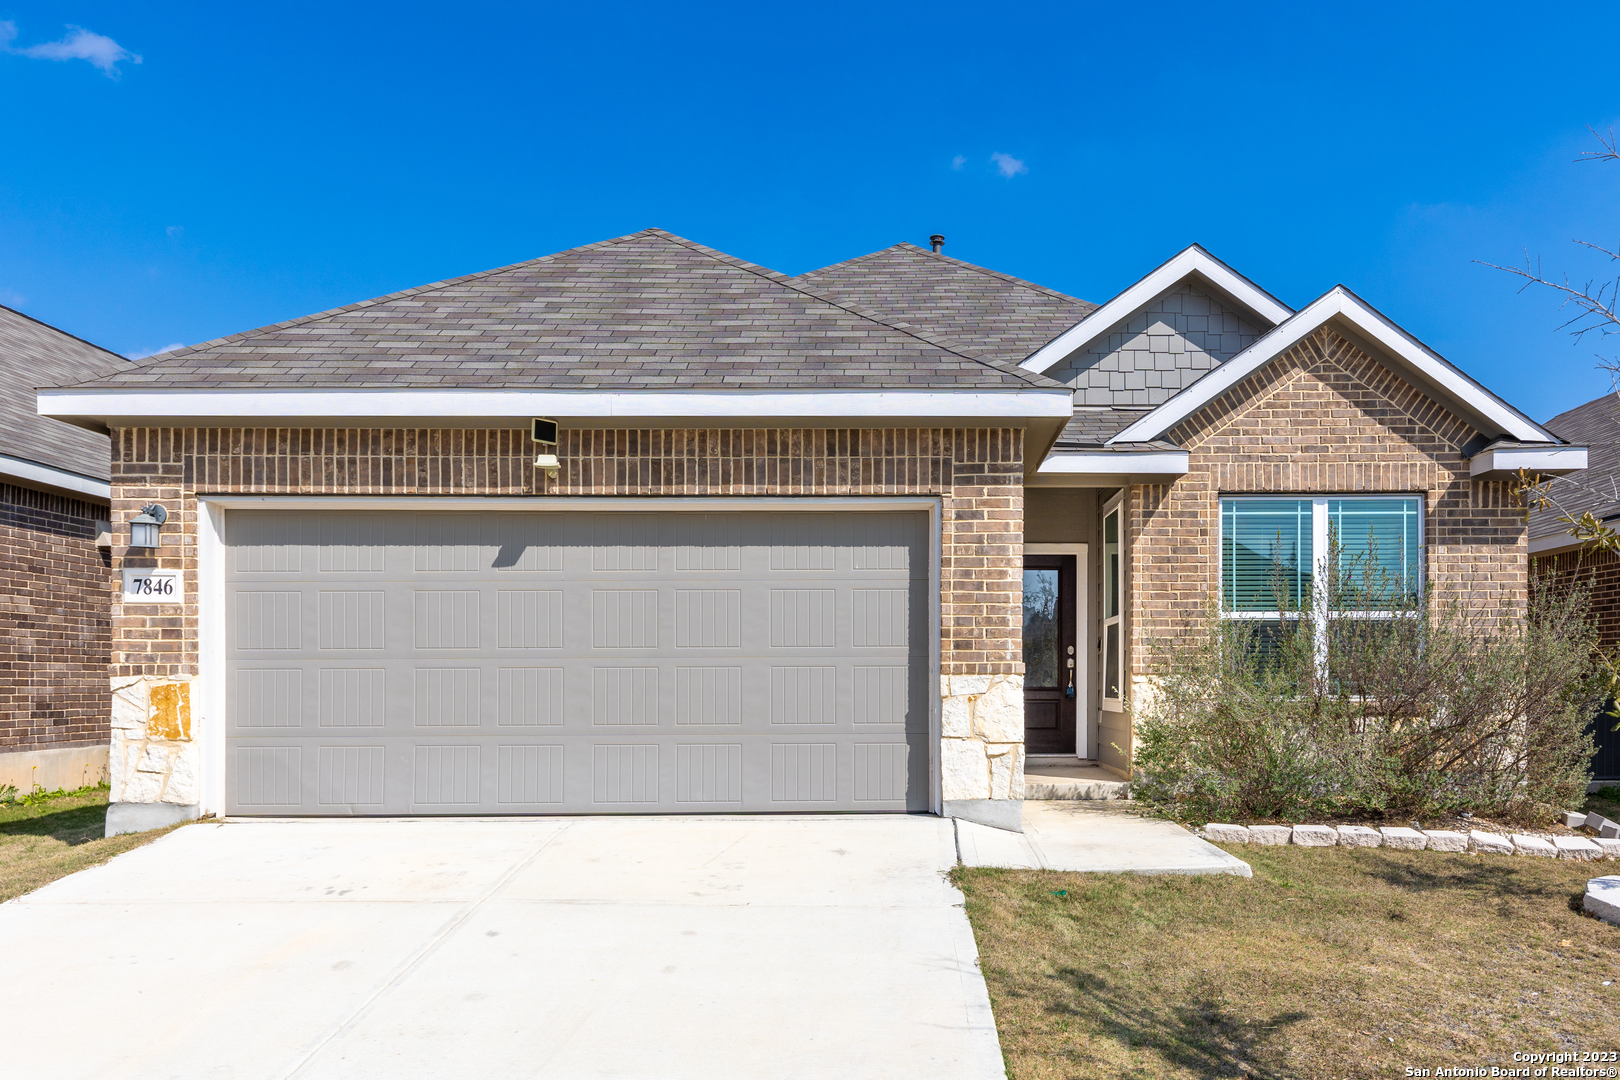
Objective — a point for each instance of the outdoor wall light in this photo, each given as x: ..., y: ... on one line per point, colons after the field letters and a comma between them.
x: 143, y: 530
x: 544, y: 435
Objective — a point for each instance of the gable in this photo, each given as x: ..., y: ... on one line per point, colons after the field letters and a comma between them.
x: 1329, y: 407
x: 1159, y: 350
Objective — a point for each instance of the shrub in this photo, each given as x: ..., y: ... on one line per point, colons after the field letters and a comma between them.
x: 1438, y: 709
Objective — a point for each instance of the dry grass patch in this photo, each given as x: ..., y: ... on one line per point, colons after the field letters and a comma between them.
x: 1338, y: 963
x: 57, y: 837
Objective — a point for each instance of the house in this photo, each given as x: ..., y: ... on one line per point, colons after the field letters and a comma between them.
x: 1556, y: 556
x: 55, y: 601
x: 862, y: 539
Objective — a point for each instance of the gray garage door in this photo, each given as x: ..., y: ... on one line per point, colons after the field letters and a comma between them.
x: 545, y: 662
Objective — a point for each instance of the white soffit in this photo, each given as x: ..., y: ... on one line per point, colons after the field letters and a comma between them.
x: 497, y: 404
x: 34, y: 473
x: 1167, y: 463
x: 1548, y: 460
x: 1431, y: 371
x: 1194, y: 261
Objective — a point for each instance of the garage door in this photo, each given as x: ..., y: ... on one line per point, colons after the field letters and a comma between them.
x: 545, y: 662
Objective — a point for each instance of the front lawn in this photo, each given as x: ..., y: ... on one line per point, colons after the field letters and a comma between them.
x: 1327, y: 963
x: 55, y: 837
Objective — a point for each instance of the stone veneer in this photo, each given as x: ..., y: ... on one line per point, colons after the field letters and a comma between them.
x: 1323, y: 418
x: 976, y: 473
x: 55, y: 615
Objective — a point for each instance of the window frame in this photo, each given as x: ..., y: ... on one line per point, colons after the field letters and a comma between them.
x: 1321, y: 549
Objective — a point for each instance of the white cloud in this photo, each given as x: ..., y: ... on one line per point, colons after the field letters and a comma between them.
x: 13, y: 300
x: 142, y: 354
x: 1007, y: 165
x: 175, y: 231
x: 77, y: 44
x: 957, y: 162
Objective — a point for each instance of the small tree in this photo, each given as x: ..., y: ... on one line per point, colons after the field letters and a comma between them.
x: 1435, y: 707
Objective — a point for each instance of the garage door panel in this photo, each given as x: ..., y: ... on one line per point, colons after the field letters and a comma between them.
x: 393, y: 663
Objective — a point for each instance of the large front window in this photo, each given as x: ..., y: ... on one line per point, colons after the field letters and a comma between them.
x: 1288, y: 563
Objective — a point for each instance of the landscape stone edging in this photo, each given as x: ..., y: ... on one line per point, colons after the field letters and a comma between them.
x: 1580, y: 848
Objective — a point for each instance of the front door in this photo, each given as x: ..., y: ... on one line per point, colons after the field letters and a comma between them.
x: 1050, y: 696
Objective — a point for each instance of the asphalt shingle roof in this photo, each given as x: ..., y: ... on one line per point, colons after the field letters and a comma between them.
x: 1595, y: 489
x: 994, y: 315
x: 649, y: 311
x: 1093, y: 426
x: 33, y: 354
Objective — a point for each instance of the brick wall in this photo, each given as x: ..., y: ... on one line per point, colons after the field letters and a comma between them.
x: 978, y: 473
x: 1324, y: 418
x: 1596, y: 571
x: 55, y: 620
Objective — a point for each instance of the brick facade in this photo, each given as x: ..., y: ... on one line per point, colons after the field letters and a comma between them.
x: 1323, y: 418
x: 977, y: 473
x: 55, y: 620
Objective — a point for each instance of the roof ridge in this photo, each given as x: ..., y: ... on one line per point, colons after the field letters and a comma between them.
x: 65, y: 333
x: 910, y: 248
x: 997, y: 274
x: 359, y: 305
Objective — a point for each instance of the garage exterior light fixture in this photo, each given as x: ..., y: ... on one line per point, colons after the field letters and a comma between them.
x: 144, y: 528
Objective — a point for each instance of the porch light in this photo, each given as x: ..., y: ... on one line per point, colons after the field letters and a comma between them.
x: 143, y: 529
x: 544, y: 435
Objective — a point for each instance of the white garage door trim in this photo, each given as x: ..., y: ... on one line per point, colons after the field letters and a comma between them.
x: 209, y: 698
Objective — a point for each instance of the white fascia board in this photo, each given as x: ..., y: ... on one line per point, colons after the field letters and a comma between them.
x: 1194, y: 260
x: 1165, y: 463
x: 431, y: 404
x: 1547, y: 460
x: 1337, y: 302
x: 35, y: 473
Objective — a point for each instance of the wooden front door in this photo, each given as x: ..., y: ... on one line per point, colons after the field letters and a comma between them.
x: 1050, y: 696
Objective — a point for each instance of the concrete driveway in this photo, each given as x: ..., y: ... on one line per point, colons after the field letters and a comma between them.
x: 578, y: 947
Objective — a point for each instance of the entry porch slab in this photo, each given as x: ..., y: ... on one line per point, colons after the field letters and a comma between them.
x: 1093, y: 837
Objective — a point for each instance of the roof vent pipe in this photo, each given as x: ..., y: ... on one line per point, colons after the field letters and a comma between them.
x: 937, y: 241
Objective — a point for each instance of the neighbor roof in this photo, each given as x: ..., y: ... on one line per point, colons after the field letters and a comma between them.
x: 648, y: 311
x: 1596, y: 489
x: 994, y: 315
x: 33, y: 354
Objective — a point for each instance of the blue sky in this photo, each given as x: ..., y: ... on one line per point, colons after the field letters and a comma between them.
x: 263, y: 162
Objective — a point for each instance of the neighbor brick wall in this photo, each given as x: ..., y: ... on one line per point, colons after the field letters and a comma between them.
x: 1597, y: 571
x: 1324, y: 418
x: 978, y: 473
x: 55, y: 621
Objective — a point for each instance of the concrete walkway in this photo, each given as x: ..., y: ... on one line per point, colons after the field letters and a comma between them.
x: 571, y: 948
x: 1093, y: 837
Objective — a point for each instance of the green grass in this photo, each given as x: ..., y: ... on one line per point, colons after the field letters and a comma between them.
x: 48, y: 836
x: 1335, y: 963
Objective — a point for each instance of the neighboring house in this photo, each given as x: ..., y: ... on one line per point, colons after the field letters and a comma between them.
x: 1557, y: 556
x: 56, y: 600
x: 857, y: 540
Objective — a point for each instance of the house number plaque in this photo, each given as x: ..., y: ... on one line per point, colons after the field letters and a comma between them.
x: 144, y: 585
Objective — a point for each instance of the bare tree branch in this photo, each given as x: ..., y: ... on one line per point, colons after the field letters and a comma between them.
x: 1610, y: 151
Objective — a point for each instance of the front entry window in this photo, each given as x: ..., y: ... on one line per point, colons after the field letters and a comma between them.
x: 1043, y: 663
